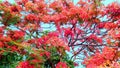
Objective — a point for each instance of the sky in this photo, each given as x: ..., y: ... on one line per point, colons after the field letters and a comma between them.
x: 106, y: 2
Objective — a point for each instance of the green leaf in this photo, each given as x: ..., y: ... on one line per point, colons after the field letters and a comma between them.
x: 10, y: 43
x: 1, y: 1
x: 80, y: 20
x: 5, y: 53
x: 1, y: 49
x: 13, y: 20
x: 98, y: 2
x: 29, y: 49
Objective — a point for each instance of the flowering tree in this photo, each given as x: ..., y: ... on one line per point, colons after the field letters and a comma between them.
x: 87, y: 28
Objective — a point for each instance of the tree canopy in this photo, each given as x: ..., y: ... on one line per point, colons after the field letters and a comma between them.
x: 87, y: 31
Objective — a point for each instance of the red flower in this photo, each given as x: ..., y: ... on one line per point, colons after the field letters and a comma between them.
x: 46, y: 18
x: 42, y: 40
x: 6, y: 39
x: 51, y: 34
x: 68, y: 32
x: 94, y: 37
x: 110, y: 25
x: 15, y: 8
x: 91, y: 66
x: 117, y: 36
x: 14, y: 48
x: 57, y: 42
x: 24, y: 1
x: 1, y: 44
x: 18, y: 34
x: 100, y: 58
x: 61, y: 65
x: 1, y: 31
x: 25, y: 64
x: 116, y: 65
x: 47, y: 54
x: 101, y: 25
x: 108, y: 53
x: 31, y: 17
x: 54, y: 5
